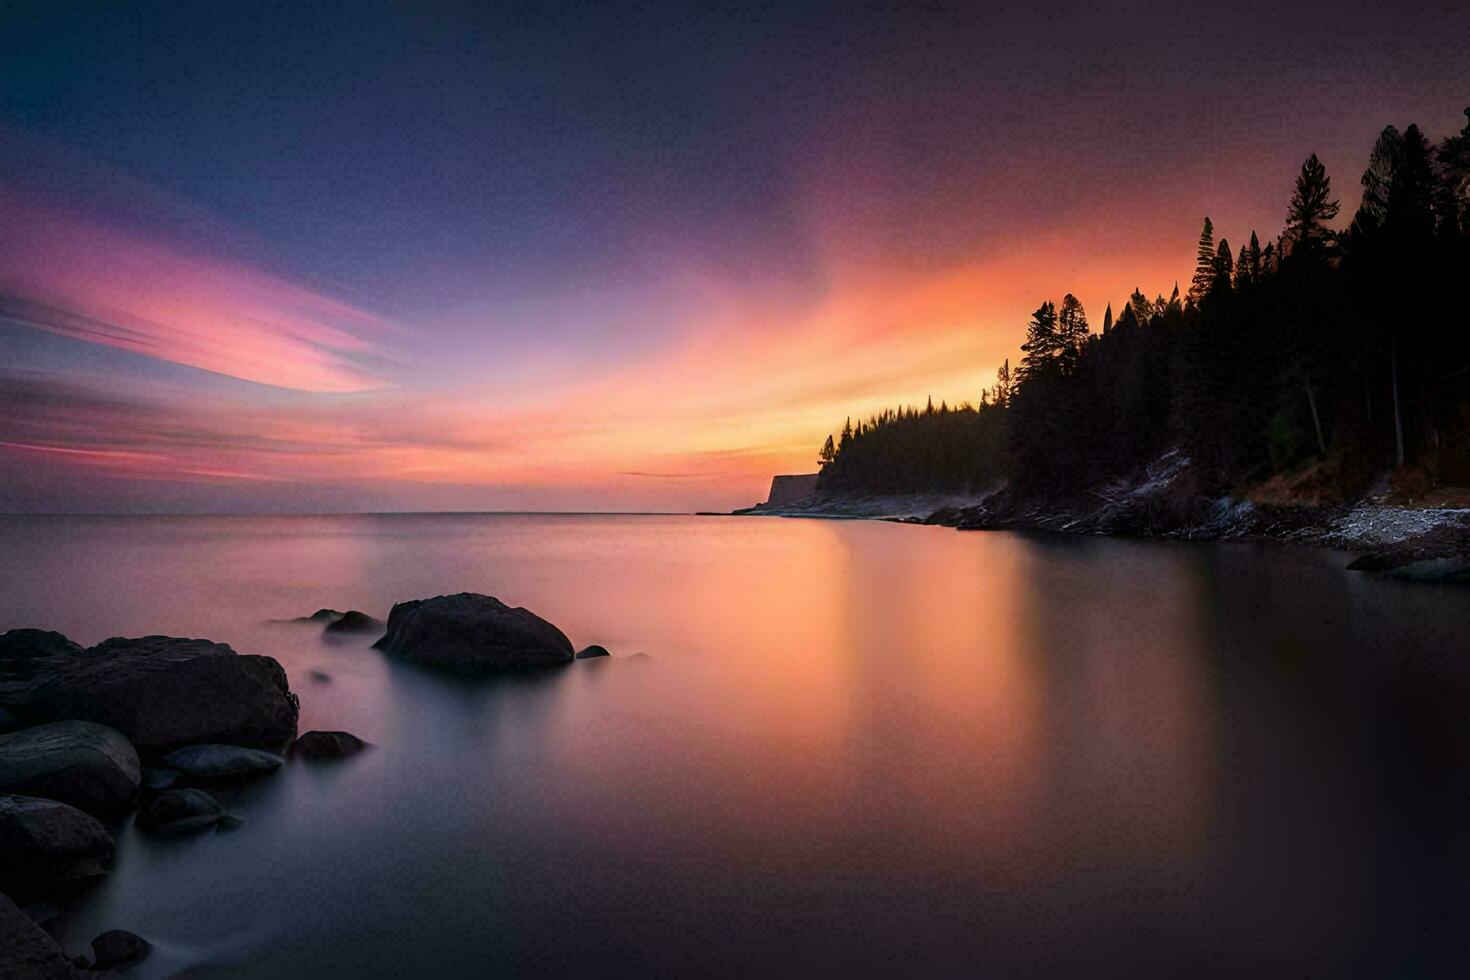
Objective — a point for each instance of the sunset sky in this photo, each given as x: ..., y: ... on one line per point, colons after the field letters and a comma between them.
x: 431, y: 256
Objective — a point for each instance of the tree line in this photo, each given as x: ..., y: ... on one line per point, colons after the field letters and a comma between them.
x: 1347, y: 346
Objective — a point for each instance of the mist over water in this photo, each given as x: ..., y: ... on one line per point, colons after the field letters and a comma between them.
x: 852, y: 746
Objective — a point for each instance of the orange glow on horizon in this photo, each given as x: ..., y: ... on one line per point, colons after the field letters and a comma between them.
x: 747, y: 387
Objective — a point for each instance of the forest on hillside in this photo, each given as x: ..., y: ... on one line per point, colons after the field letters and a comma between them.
x: 1348, y: 346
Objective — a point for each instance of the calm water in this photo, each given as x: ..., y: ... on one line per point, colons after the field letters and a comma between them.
x: 853, y: 747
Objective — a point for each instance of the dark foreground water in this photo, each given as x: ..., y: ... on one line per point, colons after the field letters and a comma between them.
x: 853, y: 748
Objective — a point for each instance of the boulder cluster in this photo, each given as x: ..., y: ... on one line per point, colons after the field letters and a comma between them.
x: 147, y: 725
x: 89, y: 735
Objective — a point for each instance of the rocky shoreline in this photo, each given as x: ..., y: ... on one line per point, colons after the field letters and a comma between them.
x: 142, y: 729
x: 1413, y: 543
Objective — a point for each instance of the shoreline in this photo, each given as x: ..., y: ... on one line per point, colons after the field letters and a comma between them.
x: 1429, y: 544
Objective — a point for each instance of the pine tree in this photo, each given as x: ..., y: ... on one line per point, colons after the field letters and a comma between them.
x: 1411, y: 197
x: 1042, y: 343
x: 1224, y: 268
x: 1311, y: 207
x: 1072, y: 331
x: 1388, y: 150
x: 1453, y: 157
x: 1248, y: 265
x: 1204, y: 264
x: 1108, y: 316
x: 827, y: 454
x: 1003, y: 384
x: 1127, y: 318
x: 1242, y: 268
x: 1143, y: 310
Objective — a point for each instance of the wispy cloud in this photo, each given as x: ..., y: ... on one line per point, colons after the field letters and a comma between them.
x: 82, y: 278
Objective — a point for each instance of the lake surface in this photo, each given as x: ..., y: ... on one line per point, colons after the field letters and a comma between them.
x: 852, y: 747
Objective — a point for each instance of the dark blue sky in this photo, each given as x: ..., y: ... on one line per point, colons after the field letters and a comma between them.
x: 399, y: 150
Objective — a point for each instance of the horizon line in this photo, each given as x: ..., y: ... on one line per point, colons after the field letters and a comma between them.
x: 371, y: 513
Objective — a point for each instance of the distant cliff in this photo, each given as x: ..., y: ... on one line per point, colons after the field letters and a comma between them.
x: 789, y: 489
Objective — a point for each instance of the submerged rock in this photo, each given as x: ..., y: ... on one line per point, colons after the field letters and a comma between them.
x: 221, y: 761
x: 43, y: 841
x: 472, y: 633
x: 118, y: 949
x: 164, y: 692
x: 327, y: 745
x: 177, y: 811
x: 27, y: 952
x: 159, y: 778
x: 319, y: 676
x: 320, y: 616
x: 353, y: 621
x: 90, y: 766
x: 588, y: 652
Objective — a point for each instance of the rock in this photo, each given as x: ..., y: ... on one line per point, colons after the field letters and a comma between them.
x: 21, y: 645
x: 180, y: 811
x: 43, y: 841
x: 1440, y: 554
x: 164, y: 692
x: 327, y: 745
x: 221, y: 761
x: 353, y: 621
x: 588, y: 652
x: 157, y: 779
x: 91, y: 767
x: 26, y: 952
x: 321, y: 616
x: 8, y: 721
x: 118, y: 949
x: 26, y: 654
x: 472, y: 633
x: 319, y: 677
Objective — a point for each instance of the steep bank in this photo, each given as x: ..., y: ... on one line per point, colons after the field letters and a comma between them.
x: 1429, y: 543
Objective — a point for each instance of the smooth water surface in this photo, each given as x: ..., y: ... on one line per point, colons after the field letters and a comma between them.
x: 851, y: 747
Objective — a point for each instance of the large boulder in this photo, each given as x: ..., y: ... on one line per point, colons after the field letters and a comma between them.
x: 26, y: 654
x: 471, y: 633
x: 90, y: 766
x: 593, y: 651
x: 221, y: 761
x: 27, y: 952
x: 43, y: 841
x: 165, y: 692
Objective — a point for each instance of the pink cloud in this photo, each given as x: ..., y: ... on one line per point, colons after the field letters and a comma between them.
x: 80, y: 278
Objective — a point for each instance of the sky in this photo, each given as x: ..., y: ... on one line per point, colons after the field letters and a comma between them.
x: 310, y: 257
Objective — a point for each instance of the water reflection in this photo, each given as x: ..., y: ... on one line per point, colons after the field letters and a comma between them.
x: 853, y: 746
